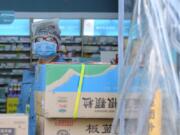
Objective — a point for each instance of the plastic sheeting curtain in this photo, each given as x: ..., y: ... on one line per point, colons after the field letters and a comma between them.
x: 150, y: 93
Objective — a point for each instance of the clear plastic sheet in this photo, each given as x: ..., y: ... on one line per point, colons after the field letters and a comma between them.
x: 150, y: 93
x: 46, y: 28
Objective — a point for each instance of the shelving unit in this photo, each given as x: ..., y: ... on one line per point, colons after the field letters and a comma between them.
x: 3, y: 88
x: 13, y: 51
x: 71, y: 43
x: 95, y: 44
x: 92, y: 46
x: 73, y: 46
x: 10, y: 69
x: 15, y: 57
x: 11, y: 75
x: 89, y: 46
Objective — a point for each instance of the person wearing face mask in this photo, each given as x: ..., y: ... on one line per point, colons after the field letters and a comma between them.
x: 46, y: 42
x: 47, y: 48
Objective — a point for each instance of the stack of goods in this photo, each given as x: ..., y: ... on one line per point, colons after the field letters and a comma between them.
x: 14, y: 90
x: 14, y: 124
x: 75, y: 99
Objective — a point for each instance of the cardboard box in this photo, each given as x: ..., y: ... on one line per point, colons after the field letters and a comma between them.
x: 92, y: 105
x: 13, y: 124
x: 58, y: 85
x: 73, y: 126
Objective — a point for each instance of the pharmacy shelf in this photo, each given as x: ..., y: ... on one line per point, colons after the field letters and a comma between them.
x: 15, y: 42
x: 13, y: 51
x: 2, y: 100
x: 104, y: 45
x: 13, y: 68
x: 14, y: 60
x: 11, y: 76
x: 18, y: 47
x: 3, y: 84
x: 91, y: 52
x: 74, y: 51
x: 71, y: 44
x: 35, y: 59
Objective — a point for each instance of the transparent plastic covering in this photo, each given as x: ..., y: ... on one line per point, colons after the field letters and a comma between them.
x: 45, y: 29
x: 149, y: 100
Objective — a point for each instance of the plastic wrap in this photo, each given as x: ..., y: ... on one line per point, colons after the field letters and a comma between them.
x: 150, y: 92
x: 46, y: 28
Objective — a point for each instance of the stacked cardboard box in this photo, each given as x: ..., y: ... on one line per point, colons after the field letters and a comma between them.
x: 57, y: 95
x: 13, y: 124
x: 73, y: 127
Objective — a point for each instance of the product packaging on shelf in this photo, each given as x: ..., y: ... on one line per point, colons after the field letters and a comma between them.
x: 58, y: 96
x: 11, y: 105
x: 2, y: 101
x: 73, y: 126
x: 13, y: 124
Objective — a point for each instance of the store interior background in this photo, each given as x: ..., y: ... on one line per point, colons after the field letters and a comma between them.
x: 89, y: 31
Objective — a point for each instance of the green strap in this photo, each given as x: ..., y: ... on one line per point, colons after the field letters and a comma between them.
x: 76, y: 108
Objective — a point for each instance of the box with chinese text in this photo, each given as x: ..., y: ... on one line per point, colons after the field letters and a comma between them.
x: 58, y: 87
x: 13, y: 124
x: 73, y: 126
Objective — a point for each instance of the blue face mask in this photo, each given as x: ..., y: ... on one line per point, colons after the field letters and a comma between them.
x: 44, y: 49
